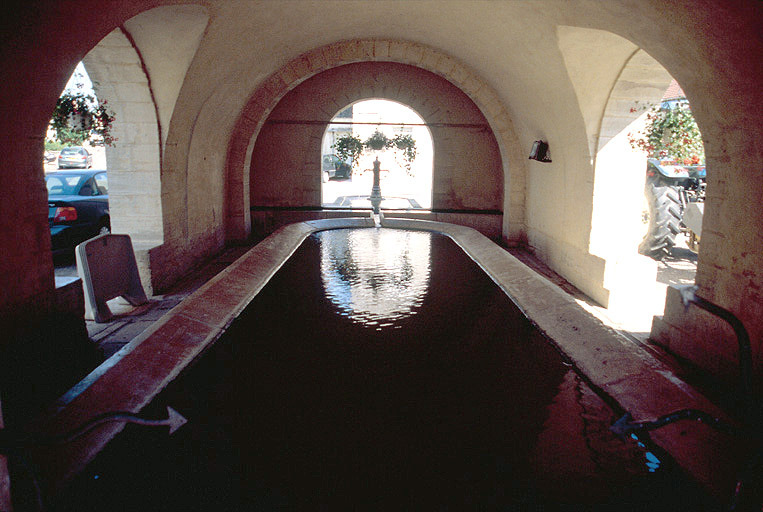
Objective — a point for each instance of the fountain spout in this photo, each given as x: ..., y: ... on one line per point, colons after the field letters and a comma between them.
x: 376, y: 197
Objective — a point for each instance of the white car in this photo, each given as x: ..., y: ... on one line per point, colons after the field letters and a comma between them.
x: 75, y: 156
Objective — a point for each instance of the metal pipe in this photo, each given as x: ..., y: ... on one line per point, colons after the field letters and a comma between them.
x: 10, y: 441
x: 689, y: 296
x: 16, y: 444
x: 749, y: 478
x: 625, y: 425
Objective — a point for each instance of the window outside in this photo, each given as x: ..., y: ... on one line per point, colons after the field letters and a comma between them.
x: 349, y: 187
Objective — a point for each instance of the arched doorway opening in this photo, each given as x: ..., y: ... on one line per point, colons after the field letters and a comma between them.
x: 79, y: 84
x: 286, y: 153
x: 674, y: 194
x: 639, y: 273
x: 75, y: 170
x: 113, y: 72
x: 129, y: 69
x: 403, y: 187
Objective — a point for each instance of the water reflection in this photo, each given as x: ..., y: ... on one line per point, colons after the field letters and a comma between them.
x: 375, y: 276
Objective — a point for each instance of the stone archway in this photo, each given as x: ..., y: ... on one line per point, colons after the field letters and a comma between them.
x: 134, y: 163
x: 467, y: 164
x: 619, y: 174
x: 262, y: 102
x: 139, y: 68
x: 410, y: 186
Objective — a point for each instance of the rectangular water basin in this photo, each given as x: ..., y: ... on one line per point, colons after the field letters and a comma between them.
x: 380, y: 369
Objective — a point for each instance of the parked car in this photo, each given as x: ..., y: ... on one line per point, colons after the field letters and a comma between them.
x: 78, y: 207
x: 333, y: 167
x: 75, y: 156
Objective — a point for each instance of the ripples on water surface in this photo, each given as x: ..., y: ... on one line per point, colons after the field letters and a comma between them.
x: 375, y: 276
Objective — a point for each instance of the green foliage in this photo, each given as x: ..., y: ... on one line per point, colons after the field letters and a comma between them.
x: 377, y: 141
x: 78, y: 118
x: 349, y: 148
x: 670, y: 133
x: 407, y: 145
x: 53, y: 145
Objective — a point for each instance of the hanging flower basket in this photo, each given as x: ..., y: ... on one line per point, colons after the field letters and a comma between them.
x: 670, y: 132
x: 80, y: 122
x: 377, y: 141
x: 349, y: 148
x: 78, y: 118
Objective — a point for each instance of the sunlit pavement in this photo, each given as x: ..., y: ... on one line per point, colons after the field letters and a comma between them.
x: 680, y: 267
x: 99, y: 160
x: 394, y: 183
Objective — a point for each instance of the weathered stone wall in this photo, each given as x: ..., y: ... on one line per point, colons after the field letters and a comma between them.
x: 720, y: 72
x: 286, y: 161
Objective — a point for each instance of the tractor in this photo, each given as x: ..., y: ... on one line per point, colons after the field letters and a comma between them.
x: 674, y: 196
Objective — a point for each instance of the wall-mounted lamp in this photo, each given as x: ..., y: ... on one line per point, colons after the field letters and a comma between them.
x: 540, y: 152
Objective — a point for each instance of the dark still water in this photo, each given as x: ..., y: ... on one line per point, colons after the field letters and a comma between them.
x: 380, y: 369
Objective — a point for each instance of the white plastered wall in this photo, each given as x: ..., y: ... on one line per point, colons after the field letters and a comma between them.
x: 620, y: 171
x: 139, y: 69
x: 584, y: 209
x: 583, y: 67
x: 133, y: 163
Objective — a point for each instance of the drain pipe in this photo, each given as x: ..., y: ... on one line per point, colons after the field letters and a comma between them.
x: 689, y: 296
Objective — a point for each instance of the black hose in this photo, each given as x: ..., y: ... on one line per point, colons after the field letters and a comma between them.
x: 626, y: 424
x: 743, y: 340
x: 689, y: 296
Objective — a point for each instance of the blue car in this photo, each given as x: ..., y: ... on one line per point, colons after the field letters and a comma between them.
x: 78, y: 207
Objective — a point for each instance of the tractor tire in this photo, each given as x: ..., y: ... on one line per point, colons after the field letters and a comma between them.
x: 663, y: 216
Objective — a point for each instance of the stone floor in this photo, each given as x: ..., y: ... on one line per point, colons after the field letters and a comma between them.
x: 128, y: 321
